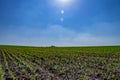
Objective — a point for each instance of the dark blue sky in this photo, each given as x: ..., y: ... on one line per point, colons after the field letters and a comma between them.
x: 37, y: 22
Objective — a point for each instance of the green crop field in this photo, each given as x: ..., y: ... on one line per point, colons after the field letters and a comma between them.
x: 59, y: 63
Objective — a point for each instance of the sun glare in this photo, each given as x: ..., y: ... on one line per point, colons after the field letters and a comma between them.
x: 63, y: 3
x: 63, y: 6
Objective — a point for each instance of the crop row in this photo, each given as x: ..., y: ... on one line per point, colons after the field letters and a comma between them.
x: 59, y: 64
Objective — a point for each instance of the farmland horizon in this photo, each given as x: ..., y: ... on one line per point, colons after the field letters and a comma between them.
x: 58, y: 46
x: 59, y: 39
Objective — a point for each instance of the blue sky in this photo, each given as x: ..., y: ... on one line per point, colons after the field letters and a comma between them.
x: 37, y: 23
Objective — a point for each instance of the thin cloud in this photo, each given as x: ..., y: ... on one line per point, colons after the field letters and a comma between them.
x: 56, y: 35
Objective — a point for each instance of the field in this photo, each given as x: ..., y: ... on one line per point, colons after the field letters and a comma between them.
x: 59, y: 63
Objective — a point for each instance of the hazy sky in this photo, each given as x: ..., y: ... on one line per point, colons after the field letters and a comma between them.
x: 55, y: 22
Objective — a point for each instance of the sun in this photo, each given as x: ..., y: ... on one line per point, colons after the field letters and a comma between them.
x: 64, y: 1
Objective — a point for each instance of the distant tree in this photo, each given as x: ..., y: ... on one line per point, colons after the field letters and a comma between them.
x: 52, y: 46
